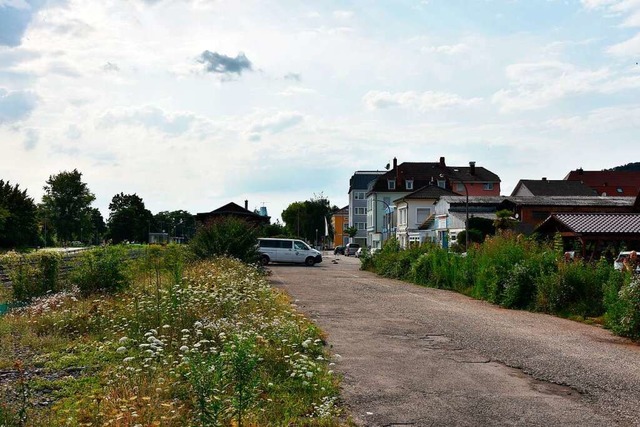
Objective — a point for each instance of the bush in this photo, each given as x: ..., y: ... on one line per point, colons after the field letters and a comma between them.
x: 33, y: 275
x: 625, y: 320
x: 101, y: 270
x: 230, y: 237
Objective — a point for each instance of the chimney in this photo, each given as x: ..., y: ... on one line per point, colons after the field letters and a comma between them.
x: 580, y: 171
x: 395, y: 168
x: 246, y: 204
x: 442, y: 161
x: 472, y: 168
x: 395, y: 163
x: 544, y: 178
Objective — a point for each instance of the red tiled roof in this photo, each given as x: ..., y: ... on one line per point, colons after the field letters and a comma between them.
x: 613, y: 183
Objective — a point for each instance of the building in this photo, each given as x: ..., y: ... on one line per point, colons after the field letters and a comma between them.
x: 358, y: 185
x: 451, y: 213
x: 608, y: 183
x: 594, y: 234
x: 531, y: 211
x: 235, y: 211
x: 547, y: 187
x: 340, y: 221
x: 413, y: 211
x: 405, y: 178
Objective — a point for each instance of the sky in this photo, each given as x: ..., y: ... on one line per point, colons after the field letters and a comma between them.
x: 192, y: 104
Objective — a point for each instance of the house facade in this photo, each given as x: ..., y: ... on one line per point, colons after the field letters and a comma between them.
x: 340, y: 221
x: 413, y: 211
x: 357, y: 216
x: 405, y: 178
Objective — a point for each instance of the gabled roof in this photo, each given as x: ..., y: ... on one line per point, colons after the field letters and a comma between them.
x: 342, y: 212
x: 592, y: 223
x: 428, y: 192
x: 425, y: 173
x: 546, y: 187
x: 613, y: 183
x: 232, y: 209
x: 572, y: 201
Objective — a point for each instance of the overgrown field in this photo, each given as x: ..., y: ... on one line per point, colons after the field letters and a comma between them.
x: 521, y: 273
x: 162, y: 341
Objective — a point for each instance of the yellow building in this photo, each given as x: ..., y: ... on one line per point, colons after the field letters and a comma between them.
x: 340, y: 221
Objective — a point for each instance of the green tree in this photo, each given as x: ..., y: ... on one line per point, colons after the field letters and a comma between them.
x: 504, y: 220
x: 129, y: 219
x: 178, y: 223
x: 307, y: 219
x: 18, y: 224
x: 351, y: 231
x: 230, y: 236
x: 95, y: 226
x: 67, y: 200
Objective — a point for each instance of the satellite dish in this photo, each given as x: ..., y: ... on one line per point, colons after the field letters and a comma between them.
x: 388, y: 166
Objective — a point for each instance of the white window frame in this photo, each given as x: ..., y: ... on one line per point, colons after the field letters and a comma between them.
x: 360, y: 211
x: 442, y: 183
x: 409, y: 184
x: 391, y: 184
x: 361, y: 225
x: 487, y: 186
x: 359, y: 195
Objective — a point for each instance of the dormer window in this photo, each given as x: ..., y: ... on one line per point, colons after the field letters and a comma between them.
x: 488, y: 186
x: 619, y: 190
x: 409, y: 184
x: 442, y: 183
x: 391, y: 184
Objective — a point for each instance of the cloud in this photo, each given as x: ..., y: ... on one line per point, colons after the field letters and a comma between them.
x: 600, y: 121
x: 630, y: 47
x: 536, y: 85
x: 110, y: 67
x: 273, y: 124
x: 221, y: 64
x: 448, y: 49
x: 293, y: 76
x: 296, y: 90
x: 15, y: 17
x: 16, y: 105
x: 150, y: 117
x: 343, y: 15
x: 426, y: 101
x: 31, y: 139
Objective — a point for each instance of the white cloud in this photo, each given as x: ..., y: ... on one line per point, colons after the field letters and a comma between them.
x: 16, y: 105
x: 273, y: 124
x: 455, y: 49
x: 152, y: 117
x: 536, y: 85
x: 426, y: 101
x: 296, y: 90
x: 343, y: 15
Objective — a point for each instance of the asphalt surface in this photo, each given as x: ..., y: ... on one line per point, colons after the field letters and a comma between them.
x: 414, y: 356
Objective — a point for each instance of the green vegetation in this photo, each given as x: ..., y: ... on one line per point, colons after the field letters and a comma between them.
x: 230, y: 236
x: 18, y: 226
x: 521, y: 273
x: 180, y: 342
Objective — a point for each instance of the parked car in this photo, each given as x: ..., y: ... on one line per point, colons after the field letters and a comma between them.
x: 351, y: 249
x: 339, y: 250
x: 626, y: 257
x: 287, y: 250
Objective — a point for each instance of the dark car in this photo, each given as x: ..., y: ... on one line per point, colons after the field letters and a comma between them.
x: 339, y: 250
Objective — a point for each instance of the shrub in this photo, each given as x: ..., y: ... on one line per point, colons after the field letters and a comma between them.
x: 230, y: 237
x: 33, y: 275
x: 627, y: 318
x: 103, y: 269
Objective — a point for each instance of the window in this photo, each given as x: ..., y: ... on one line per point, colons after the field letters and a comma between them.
x: 391, y: 183
x: 402, y: 213
x: 361, y: 211
x: 409, y: 184
x: 358, y: 195
x: 488, y: 186
x: 361, y: 225
x: 442, y: 183
x: 422, y: 214
x: 460, y: 188
x: 619, y: 190
x: 300, y: 246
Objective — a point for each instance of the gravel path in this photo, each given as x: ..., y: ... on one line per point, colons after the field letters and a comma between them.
x: 414, y: 356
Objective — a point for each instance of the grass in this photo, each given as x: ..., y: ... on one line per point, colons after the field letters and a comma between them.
x: 204, y: 343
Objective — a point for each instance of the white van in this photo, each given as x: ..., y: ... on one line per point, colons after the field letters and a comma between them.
x: 287, y: 250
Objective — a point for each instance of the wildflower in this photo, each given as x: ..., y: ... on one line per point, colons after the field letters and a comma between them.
x: 184, y: 348
x: 121, y: 350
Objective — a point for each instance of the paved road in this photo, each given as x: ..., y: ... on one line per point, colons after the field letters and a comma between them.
x: 426, y: 357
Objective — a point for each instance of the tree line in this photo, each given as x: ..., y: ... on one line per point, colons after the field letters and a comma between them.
x: 65, y: 216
